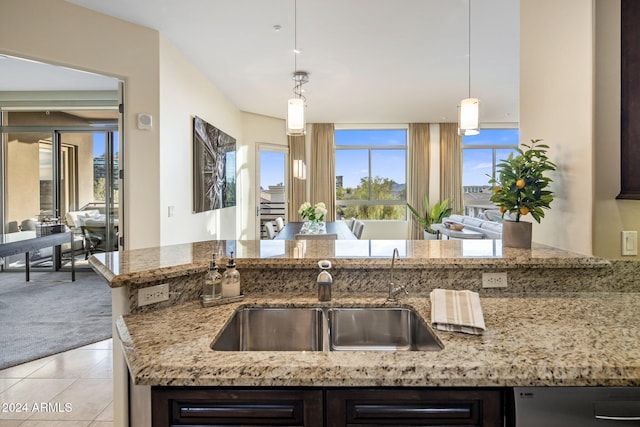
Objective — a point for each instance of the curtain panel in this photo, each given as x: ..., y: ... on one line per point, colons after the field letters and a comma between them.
x: 297, y: 186
x: 419, y: 136
x: 451, y: 166
x: 323, y: 172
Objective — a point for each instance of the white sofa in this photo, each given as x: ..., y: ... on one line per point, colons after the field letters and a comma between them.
x: 490, y: 229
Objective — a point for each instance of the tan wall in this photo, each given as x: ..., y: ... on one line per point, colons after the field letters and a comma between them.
x: 611, y: 216
x: 556, y: 104
x: 23, y: 181
x: 61, y: 33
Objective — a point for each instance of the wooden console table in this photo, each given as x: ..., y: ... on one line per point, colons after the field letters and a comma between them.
x: 32, y: 244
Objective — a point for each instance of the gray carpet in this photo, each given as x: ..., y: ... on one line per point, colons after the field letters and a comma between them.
x: 51, y: 314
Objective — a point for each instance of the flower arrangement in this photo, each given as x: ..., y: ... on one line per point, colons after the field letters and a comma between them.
x: 520, y: 184
x: 313, y: 213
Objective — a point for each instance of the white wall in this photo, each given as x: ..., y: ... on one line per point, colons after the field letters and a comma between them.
x: 186, y: 93
x: 556, y: 104
x: 61, y: 33
x: 256, y: 129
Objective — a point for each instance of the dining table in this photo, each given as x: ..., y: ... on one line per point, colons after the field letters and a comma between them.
x: 340, y: 228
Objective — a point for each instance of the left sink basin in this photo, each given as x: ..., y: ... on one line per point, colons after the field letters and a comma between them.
x: 273, y: 329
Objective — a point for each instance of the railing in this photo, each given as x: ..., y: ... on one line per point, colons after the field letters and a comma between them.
x: 269, y: 211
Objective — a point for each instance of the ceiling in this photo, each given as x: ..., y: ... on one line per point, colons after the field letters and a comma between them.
x: 370, y: 61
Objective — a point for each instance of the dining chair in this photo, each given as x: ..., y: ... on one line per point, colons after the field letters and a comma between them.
x: 279, y: 224
x: 352, y: 223
x: 358, y: 228
x: 319, y: 236
x: 271, y: 232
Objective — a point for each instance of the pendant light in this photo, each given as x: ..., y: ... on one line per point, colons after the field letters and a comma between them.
x: 469, y: 109
x: 296, y: 124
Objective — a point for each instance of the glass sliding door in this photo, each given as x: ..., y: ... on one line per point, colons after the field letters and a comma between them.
x: 272, y: 194
x: 70, y: 175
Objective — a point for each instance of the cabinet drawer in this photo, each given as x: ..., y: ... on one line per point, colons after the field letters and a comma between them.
x: 358, y: 407
x: 180, y: 407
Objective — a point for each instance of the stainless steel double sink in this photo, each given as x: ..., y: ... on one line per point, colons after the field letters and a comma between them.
x: 326, y: 329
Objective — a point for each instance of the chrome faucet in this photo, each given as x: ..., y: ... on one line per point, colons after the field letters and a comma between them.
x: 393, y: 291
x: 324, y: 281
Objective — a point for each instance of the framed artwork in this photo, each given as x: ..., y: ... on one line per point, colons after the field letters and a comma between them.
x: 214, y: 167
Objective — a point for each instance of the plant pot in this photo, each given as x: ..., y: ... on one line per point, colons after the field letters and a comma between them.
x: 516, y: 234
x: 430, y: 236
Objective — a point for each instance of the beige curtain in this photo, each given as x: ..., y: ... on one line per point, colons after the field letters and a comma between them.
x: 297, y: 186
x: 418, y: 174
x: 323, y: 172
x: 451, y: 166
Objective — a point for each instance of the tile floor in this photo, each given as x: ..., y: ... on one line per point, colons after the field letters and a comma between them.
x: 70, y: 389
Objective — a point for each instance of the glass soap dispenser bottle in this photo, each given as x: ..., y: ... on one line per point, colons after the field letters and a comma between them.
x: 212, y: 283
x: 231, y: 280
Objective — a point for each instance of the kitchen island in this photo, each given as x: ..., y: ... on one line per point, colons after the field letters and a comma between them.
x: 565, y: 319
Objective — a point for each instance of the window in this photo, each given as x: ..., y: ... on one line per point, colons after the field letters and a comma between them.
x: 481, y: 153
x: 371, y: 173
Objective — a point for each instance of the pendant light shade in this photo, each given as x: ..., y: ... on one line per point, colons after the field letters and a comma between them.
x: 295, y: 117
x: 469, y: 117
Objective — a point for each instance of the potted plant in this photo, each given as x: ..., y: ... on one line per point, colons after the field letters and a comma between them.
x: 432, y: 215
x: 520, y: 188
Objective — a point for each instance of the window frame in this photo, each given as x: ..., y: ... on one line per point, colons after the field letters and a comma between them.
x: 370, y: 148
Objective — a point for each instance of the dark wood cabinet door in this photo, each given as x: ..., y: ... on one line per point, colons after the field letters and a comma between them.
x: 185, y: 406
x: 418, y: 407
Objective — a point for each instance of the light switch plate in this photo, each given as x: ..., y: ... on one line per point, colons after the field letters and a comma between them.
x: 629, y: 243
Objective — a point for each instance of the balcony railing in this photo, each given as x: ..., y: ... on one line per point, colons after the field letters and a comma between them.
x: 269, y: 211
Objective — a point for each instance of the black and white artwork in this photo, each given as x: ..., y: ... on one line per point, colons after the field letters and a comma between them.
x: 214, y: 167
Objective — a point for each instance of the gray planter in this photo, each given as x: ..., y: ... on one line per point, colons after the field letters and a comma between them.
x: 516, y: 234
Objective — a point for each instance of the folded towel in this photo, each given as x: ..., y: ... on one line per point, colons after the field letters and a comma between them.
x: 456, y: 311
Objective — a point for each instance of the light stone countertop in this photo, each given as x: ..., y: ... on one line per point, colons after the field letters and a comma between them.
x: 569, y: 339
x: 162, y: 263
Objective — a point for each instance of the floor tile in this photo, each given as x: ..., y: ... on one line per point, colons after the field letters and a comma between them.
x: 103, y: 369
x: 85, y: 399
x: 102, y: 424
x: 29, y: 392
x: 10, y: 423
x: 72, y: 364
x: 5, y: 383
x: 107, y: 414
x: 25, y: 369
x: 100, y: 345
x: 30, y: 423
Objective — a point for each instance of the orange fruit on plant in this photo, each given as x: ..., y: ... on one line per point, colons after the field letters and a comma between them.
x: 524, y: 210
x: 520, y: 183
x: 502, y: 209
x: 496, y: 189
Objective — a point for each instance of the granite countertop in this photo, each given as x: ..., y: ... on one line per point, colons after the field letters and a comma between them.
x: 571, y: 339
x: 161, y: 263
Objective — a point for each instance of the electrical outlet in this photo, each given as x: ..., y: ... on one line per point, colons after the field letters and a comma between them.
x: 153, y: 294
x: 494, y: 280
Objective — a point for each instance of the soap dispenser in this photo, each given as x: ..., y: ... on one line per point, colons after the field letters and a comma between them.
x: 231, y: 280
x: 212, y: 289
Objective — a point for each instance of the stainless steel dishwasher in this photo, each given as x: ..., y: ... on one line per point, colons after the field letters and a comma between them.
x: 577, y: 406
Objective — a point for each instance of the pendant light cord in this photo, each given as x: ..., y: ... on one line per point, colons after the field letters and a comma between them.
x: 469, y: 46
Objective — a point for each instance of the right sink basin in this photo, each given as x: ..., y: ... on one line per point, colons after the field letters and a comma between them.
x: 383, y: 328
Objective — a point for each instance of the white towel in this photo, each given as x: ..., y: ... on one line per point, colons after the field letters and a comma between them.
x: 456, y: 311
